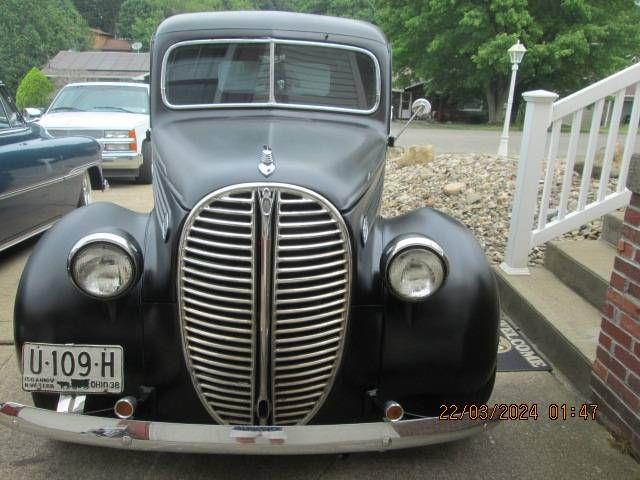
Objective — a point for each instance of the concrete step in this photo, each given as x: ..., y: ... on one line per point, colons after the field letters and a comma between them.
x: 611, y: 227
x: 583, y: 265
x: 563, y: 325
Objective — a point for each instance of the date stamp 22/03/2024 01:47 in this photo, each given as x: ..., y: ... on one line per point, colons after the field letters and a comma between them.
x: 519, y: 411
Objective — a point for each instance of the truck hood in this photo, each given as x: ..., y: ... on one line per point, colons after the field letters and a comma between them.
x: 336, y: 159
x: 93, y: 120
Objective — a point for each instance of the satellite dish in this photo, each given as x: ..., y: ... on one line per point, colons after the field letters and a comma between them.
x: 136, y: 46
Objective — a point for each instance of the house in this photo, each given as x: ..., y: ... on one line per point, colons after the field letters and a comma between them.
x: 69, y: 66
x: 105, y: 42
x: 443, y: 109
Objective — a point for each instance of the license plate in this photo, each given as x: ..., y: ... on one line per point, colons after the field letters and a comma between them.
x: 72, y: 368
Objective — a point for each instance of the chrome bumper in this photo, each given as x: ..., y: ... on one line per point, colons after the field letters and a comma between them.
x: 121, y: 160
x: 181, y: 437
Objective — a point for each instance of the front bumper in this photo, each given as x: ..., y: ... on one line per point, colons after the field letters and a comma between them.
x: 121, y: 160
x: 180, y: 437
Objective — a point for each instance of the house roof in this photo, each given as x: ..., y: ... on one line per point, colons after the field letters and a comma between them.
x: 98, y: 31
x: 102, y: 64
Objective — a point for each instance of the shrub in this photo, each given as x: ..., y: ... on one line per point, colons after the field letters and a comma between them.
x: 34, y: 90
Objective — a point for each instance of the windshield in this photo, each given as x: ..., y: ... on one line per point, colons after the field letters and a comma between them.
x: 101, y: 98
x: 211, y: 73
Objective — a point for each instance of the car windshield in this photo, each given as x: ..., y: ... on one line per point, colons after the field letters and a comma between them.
x: 102, y: 98
x: 219, y: 73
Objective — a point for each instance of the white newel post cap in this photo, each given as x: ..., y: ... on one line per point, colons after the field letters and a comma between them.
x: 540, y: 96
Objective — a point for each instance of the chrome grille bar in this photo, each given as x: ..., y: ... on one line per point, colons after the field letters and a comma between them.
x: 217, y: 304
x: 312, y: 287
x: 264, y: 288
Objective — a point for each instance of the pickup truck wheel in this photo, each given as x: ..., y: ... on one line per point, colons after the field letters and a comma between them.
x: 144, y: 176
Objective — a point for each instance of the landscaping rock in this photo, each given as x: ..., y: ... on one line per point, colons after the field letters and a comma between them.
x: 395, y: 152
x: 598, y: 160
x: 416, y: 155
x: 453, y: 188
x: 492, y: 180
x: 473, y: 197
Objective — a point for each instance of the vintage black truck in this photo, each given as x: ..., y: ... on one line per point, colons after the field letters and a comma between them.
x: 264, y: 305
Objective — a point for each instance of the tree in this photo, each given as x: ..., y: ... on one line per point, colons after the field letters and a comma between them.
x: 460, y: 45
x: 138, y: 19
x: 100, y: 14
x: 35, y: 90
x: 358, y: 9
x: 32, y: 31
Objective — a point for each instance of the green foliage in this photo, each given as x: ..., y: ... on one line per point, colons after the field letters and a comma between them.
x: 358, y: 9
x: 460, y: 45
x: 100, y: 14
x: 32, y: 31
x: 35, y: 90
x: 138, y: 19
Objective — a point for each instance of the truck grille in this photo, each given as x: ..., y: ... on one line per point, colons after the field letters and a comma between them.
x: 70, y: 132
x: 264, y: 297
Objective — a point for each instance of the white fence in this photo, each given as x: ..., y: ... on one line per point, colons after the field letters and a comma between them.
x: 544, y: 175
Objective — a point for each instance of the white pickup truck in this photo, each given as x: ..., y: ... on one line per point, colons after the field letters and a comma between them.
x: 114, y: 113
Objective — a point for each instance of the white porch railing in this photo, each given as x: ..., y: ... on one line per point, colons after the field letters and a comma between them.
x: 540, y: 163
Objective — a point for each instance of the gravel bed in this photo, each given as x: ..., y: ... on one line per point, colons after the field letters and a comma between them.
x: 485, y: 201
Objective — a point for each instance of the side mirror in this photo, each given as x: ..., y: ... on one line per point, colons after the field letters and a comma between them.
x: 31, y: 114
x: 419, y: 108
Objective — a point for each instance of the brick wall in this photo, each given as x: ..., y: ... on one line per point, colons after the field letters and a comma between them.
x: 616, y: 372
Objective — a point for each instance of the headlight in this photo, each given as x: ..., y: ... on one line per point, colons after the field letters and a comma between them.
x: 116, y: 134
x: 104, y: 265
x: 414, y: 267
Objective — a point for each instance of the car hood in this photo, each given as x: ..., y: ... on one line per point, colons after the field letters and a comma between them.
x: 334, y: 158
x: 97, y: 120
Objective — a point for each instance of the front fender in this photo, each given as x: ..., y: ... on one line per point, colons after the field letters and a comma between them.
x: 50, y: 309
x: 448, y: 343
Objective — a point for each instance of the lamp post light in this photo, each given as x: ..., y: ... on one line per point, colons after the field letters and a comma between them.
x: 516, y: 52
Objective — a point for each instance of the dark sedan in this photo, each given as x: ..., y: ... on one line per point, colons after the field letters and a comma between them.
x: 41, y: 178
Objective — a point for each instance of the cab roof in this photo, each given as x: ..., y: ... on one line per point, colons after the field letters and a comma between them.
x: 271, y: 21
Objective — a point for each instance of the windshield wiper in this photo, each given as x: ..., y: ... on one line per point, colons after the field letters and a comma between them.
x: 67, y: 109
x: 109, y: 107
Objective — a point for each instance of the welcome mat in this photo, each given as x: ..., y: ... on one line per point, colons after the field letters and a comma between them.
x: 515, y: 353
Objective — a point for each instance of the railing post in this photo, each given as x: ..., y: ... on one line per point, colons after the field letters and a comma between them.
x: 534, y: 138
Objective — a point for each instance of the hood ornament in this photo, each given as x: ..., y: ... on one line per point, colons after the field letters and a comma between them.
x: 267, y: 164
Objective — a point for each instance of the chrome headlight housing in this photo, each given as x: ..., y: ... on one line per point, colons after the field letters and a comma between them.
x: 414, y: 267
x: 104, y: 265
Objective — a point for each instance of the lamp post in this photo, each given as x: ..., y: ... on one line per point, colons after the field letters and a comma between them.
x: 516, y: 52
